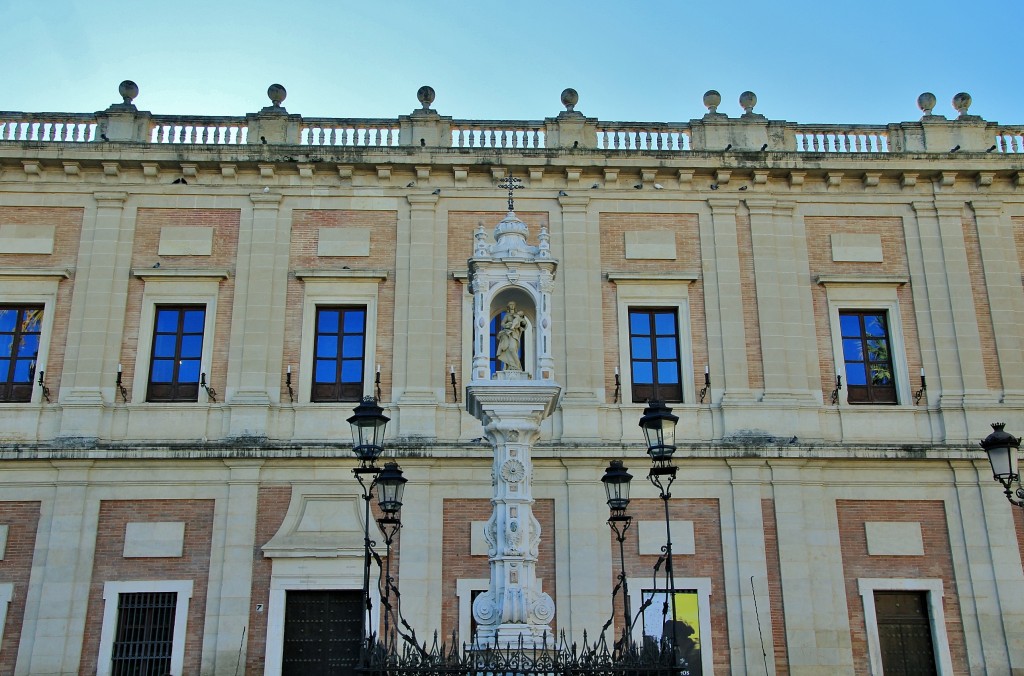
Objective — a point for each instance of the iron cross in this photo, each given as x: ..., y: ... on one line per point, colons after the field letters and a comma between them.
x: 512, y: 183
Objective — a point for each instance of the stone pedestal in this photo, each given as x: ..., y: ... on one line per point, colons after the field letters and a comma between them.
x: 514, y: 608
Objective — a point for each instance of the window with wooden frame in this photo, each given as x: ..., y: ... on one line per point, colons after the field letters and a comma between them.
x: 177, y: 353
x: 867, y: 354
x: 20, y: 329
x: 654, y: 354
x: 339, y: 353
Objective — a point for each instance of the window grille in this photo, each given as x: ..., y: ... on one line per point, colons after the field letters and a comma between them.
x: 145, y: 634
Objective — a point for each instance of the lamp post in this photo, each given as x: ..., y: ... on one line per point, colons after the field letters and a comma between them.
x: 390, y: 488
x: 616, y: 487
x: 1003, y: 449
x: 368, y: 424
x: 659, y: 426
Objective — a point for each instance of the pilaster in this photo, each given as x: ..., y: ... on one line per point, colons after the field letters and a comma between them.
x: 584, y: 331
x: 727, y: 345
x: 257, y: 327
x: 1005, y: 294
x: 235, y: 530
x: 952, y: 312
x: 97, y: 315
x: 419, y: 327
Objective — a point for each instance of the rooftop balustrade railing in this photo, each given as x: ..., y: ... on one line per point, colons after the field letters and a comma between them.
x: 47, y: 127
x: 716, y: 132
x: 513, y: 134
x: 349, y: 132
x: 198, y: 129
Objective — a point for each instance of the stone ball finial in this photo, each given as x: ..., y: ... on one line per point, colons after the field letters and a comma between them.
x: 926, y: 102
x: 128, y: 91
x: 569, y: 99
x: 748, y: 100
x: 712, y: 99
x: 961, y: 102
x: 425, y: 95
x: 276, y: 93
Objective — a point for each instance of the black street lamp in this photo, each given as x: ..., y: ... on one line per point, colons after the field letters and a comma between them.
x: 390, y: 488
x: 659, y: 426
x: 1003, y: 450
x: 616, y: 487
x: 368, y: 425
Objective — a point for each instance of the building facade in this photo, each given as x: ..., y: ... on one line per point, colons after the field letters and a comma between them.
x: 190, y: 308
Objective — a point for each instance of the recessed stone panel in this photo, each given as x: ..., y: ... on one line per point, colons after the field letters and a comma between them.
x: 477, y: 543
x: 651, y: 244
x: 26, y: 239
x: 3, y: 541
x: 894, y: 538
x: 186, y: 241
x: 850, y: 247
x: 149, y: 539
x: 343, y: 242
x: 651, y: 535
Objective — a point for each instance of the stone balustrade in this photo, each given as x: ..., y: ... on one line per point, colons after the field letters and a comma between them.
x: 715, y: 131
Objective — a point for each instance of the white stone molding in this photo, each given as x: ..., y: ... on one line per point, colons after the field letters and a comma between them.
x: 464, y: 589
x: 329, y: 288
x: 664, y: 292
x: 176, y: 287
x: 868, y: 293
x: 112, y: 591
x: 34, y: 287
x: 6, y: 593
x: 936, y: 617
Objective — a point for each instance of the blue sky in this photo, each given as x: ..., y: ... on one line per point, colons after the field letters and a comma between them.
x: 630, y: 61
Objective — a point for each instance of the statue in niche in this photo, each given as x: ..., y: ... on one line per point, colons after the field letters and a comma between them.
x: 510, y: 337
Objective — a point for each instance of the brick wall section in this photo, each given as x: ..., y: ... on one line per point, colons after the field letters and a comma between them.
x: 613, y: 228
x: 67, y: 224
x: 306, y: 224
x: 148, y: 223
x: 271, y: 507
x: 461, y: 226
x: 22, y: 521
x: 748, y: 294
x: 706, y: 562
x: 110, y: 565
x: 457, y: 563
x: 775, y: 602
x: 894, y: 255
x: 1018, y: 237
x: 937, y: 562
x: 1018, y: 523
x: 982, y: 309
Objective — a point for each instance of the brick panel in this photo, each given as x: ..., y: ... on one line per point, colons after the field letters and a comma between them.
x: 1018, y: 523
x: 22, y: 521
x: 110, y: 565
x: 982, y: 308
x: 457, y: 562
x: 461, y: 226
x: 613, y: 258
x: 707, y: 561
x: 271, y: 507
x: 775, y: 601
x: 383, y: 226
x: 894, y: 255
x: 67, y: 222
x: 937, y: 562
x: 148, y: 223
x: 1018, y: 237
x: 748, y: 296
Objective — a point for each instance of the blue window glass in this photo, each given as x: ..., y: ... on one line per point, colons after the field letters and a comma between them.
x: 339, y: 354
x: 654, y: 356
x: 177, y: 351
x: 867, y: 359
x: 20, y: 327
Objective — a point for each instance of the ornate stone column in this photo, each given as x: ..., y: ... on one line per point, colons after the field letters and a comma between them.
x: 514, y: 277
